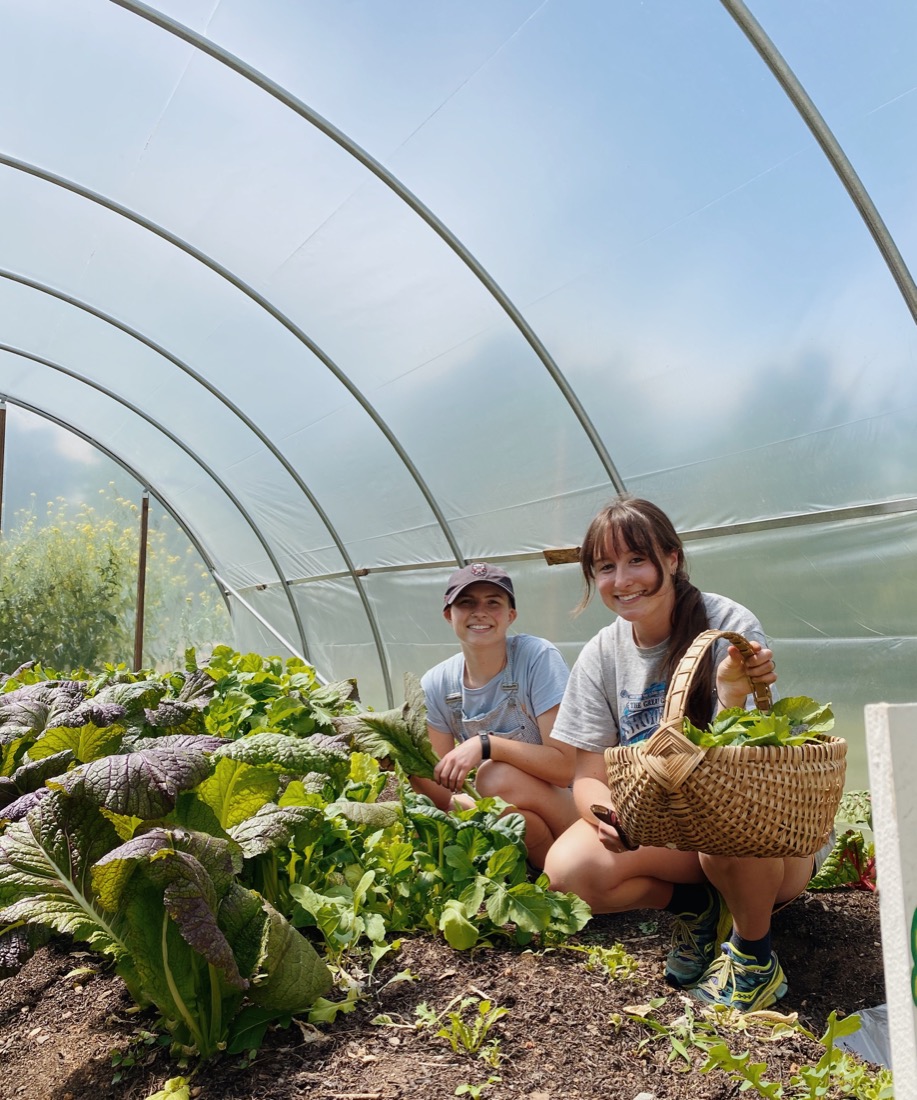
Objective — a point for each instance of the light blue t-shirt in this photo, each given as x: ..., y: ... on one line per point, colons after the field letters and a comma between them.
x: 538, y: 668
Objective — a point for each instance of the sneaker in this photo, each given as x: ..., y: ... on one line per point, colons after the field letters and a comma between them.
x: 737, y: 981
x: 695, y: 941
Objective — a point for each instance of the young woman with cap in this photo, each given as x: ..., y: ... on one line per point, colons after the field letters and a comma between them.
x: 491, y: 707
x: 632, y: 555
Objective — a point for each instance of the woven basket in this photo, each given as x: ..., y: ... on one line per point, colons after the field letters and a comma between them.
x: 733, y: 800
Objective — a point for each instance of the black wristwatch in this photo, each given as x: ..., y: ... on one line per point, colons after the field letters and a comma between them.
x: 485, y: 745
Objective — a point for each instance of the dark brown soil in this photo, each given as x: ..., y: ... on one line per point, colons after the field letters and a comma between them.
x: 562, y: 1036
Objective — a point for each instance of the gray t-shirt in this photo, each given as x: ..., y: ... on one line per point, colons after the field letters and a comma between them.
x: 538, y: 669
x: 616, y: 693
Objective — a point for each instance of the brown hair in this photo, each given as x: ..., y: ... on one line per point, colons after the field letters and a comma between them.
x: 629, y: 523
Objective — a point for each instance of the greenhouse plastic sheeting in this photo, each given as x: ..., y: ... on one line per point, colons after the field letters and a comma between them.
x: 362, y: 290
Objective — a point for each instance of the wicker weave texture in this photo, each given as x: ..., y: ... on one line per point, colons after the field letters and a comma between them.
x: 736, y: 800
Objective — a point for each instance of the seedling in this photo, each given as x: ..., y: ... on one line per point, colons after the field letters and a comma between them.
x: 614, y: 962
x: 475, y: 1091
x: 461, y: 1034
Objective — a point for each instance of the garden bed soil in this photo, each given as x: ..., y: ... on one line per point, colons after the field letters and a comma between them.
x: 562, y: 1036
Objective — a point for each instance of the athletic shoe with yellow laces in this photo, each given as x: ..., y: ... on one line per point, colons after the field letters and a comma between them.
x: 739, y: 981
x: 696, y: 938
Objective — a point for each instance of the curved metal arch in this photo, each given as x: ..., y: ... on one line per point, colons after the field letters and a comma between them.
x: 158, y: 349
x: 265, y: 304
x: 830, y: 146
x: 41, y: 361
x: 118, y: 460
x: 248, y: 72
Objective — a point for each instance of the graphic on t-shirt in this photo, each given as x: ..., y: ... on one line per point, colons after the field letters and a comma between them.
x: 639, y: 715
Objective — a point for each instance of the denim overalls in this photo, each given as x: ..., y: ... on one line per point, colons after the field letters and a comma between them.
x: 508, y: 718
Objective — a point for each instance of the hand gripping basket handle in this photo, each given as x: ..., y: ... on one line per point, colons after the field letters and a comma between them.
x: 677, y: 696
x: 668, y: 756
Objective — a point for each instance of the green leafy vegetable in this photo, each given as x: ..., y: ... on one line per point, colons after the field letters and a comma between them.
x: 790, y: 721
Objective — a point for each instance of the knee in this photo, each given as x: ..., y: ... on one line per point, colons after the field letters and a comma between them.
x: 496, y: 779
x: 568, y: 866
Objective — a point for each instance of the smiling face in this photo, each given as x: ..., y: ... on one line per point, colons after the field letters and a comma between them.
x: 634, y: 587
x: 481, y: 614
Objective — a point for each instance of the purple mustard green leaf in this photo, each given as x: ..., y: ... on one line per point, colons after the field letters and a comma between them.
x: 21, y: 715
x: 18, y: 944
x: 134, y: 696
x: 9, y: 792
x: 191, y: 872
x: 242, y: 917
x: 291, y: 755
x: 194, y: 1001
x: 33, y: 707
x: 333, y: 741
x: 99, y: 714
x: 273, y: 827
x: 292, y: 976
x: 138, y: 784
x: 34, y: 774
x: 176, y: 715
x: 221, y: 859
x: 46, y: 868
x: 17, y: 810
x: 198, y: 688
x: 192, y: 742
x: 191, y: 901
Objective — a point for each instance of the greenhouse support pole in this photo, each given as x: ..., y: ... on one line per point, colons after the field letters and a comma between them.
x: 141, y: 582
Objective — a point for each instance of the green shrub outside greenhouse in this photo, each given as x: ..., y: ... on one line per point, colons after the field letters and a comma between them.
x: 68, y: 587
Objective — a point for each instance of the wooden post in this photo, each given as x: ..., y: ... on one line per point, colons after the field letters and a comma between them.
x: 141, y: 582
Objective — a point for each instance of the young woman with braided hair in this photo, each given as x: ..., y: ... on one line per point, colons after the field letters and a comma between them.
x: 633, y: 557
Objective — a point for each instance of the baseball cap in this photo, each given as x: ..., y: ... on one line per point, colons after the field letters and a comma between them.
x: 474, y: 573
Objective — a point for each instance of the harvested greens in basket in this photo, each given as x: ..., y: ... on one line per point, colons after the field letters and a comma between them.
x: 791, y: 721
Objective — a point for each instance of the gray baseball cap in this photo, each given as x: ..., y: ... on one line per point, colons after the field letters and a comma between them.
x: 474, y: 573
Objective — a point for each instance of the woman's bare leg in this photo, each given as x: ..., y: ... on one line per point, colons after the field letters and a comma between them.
x: 613, y: 882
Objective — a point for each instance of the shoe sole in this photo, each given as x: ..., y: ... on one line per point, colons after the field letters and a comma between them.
x: 769, y: 999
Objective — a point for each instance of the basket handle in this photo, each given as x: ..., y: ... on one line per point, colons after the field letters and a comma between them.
x: 677, y: 696
x: 668, y: 755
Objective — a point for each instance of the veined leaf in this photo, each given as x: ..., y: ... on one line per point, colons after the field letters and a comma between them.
x: 18, y: 943
x: 45, y: 869
x: 790, y: 721
x: 529, y: 907
x: 374, y: 815
x: 399, y: 734
x: 32, y: 775
x: 273, y: 827
x: 292, y: 976
x: 88, y: 742
x: 236, y: 791
x: 135, y: 696
x: 290, y: 755
x: 140, y: 784
x: 503, y: 862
